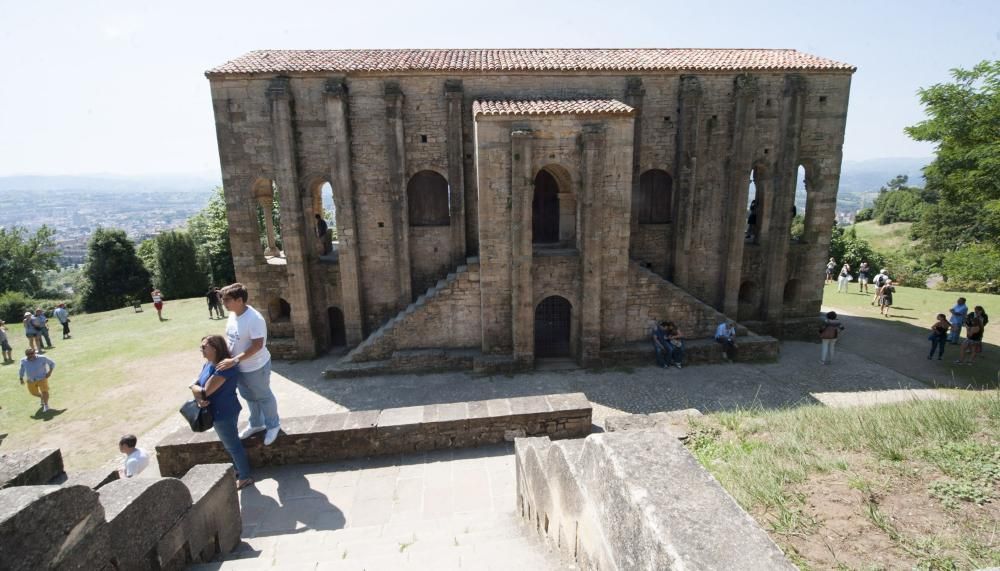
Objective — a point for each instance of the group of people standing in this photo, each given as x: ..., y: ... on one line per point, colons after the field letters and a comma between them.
x: 36, y: 369
x: 885, y: 288
x: 948, y: 329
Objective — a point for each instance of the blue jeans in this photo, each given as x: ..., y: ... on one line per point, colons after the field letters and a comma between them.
x: 229, y: 436
x: 937, y: 343
x: 255, y: 388
x: 955, y: 334
x: 677, y: 354
x: 661, y: 358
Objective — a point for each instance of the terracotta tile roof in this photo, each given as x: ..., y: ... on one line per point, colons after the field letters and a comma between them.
x: 500, y: 60
x: 551, y: 107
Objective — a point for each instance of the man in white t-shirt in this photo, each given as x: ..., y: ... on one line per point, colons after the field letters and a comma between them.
x: 246, y: 335
x: 136, y: 459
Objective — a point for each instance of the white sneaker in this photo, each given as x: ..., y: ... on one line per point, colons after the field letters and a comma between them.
x: 250, y: 431
x: 271, y: 435
x: 45, y: 407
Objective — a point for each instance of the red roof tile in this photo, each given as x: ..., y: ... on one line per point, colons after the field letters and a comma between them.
x: 551, y: 107
x: 500, y: 60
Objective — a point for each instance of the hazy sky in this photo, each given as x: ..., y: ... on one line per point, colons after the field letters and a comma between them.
x: 118, y: 87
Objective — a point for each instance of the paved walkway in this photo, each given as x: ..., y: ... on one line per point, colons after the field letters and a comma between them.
x: 436, y: 511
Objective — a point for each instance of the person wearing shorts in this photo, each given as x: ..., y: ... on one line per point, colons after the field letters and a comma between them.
x: 973, y: 344
x: 863, y: 277
x: 5, y: 343
x: 37, y: 370
x: 158, y: 303
x: 31, y: 334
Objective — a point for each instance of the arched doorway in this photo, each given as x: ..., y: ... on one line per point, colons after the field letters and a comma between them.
x: 545, y: 209
x: 338, y: 335
x: 552, y: 327
x: 749, y: 301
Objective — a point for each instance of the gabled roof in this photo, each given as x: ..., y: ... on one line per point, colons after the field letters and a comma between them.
x: 551, y: 107
x: 509, y: 60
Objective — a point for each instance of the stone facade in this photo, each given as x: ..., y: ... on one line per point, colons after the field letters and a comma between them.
x: 494, y: 127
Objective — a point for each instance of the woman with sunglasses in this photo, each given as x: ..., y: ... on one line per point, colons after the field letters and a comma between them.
x: 217, y: 390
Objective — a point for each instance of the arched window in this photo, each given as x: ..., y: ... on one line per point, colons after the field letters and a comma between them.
x: 427, y: 199
x: 552, y: 327
x: 655, y: 187
x: 545, y: 209
x: 749, y: 301
x: 265, y: 193
x: 279, y: 310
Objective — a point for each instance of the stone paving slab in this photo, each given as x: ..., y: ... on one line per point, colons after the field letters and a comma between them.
x: 874, y: 398
x: 441, y: 510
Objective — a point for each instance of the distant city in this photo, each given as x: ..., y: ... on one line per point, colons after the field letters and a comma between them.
x: 147, y: 206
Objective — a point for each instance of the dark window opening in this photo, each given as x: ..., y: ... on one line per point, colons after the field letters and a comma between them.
x: 552, y: 327
x: 427, y: 199
x: 338, y: 334
x: 545, y: 210
x: 655, y: 188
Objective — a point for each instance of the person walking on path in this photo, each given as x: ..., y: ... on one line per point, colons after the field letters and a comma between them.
x: 828, y: 333
x: 958, y: 313
x: 938, y: 336
x: 31, y: 334
x: 863, y: 271
x: 725, y: 334
x: 830, y: 267
x: 843, y: 278
x: 216, y: 389
x: 878, y: 282
x: 5, y: 347
x: 158, y: 302
x: 62, y: 315
x: 246, y: 335
x: 885, y: 297
x: 136, y: 459
x: 37, y: 370
x: 41, y: 324
x: 675, y: 344
x: 973, y: 344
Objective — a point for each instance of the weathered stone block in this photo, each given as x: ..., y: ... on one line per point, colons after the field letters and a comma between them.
x: 30, y: 467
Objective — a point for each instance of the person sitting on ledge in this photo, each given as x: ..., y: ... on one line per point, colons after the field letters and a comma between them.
x: 725, y: 334
x: 136, y: 459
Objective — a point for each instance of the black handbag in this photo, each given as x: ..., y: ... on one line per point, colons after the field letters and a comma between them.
x: 199, y: 418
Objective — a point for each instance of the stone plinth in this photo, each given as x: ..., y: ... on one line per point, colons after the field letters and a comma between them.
x: 357, y: 434
x: 30, y: 467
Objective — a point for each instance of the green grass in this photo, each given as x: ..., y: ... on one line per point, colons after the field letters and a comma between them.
x: 886, y: 239
x: 949, y: 448
x: 113, y: 376
x: 915, y: 306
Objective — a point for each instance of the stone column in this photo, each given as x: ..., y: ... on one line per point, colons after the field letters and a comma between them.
x: 737, y: 176
x: 396, y: 152
x: 783, y: 197
x: 592, y: 205
x: 266, y: 204
x: 634, y: 94
x: 522, y: 252
x: 343, y: 199
x: 689, y: 103
x: 293, y: 229
x: 456, y: 170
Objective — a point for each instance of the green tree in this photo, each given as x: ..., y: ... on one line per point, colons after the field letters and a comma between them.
x: 25, y: 257
x: 847, y: 248
x: 177, y: 262
x: 147, y: 253
x: 114, y: 274
x: 210, y: 231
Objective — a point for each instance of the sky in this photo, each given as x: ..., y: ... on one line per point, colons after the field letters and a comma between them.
x: 102, y: 87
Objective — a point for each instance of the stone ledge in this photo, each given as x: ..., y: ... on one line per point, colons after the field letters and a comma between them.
x: 752, y: 348
x: 30, y: 467
x: 358, y: 434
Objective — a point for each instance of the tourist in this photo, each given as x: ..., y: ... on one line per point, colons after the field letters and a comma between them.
x: 878, y: 282
x: 31, y: 334
x: 828, y: 334
x: 958, y: 313
x: 216, y: 389
x: 62, y: 315
x: 843, y: 278
x: 158, y: 302
x: 675, y: 344
x: 136, y: 459
x: 938, y: 336
x: 830, y: 267
x: 863, y: 270
x: 321, y: 230
x: 752, y: 221
x: 660, y: 344
x: 214, y: 303
x: 973, y: 344
x: 218, y: 305
x: 5, y: 347
x: 37, y: 369
x: 885, y: 297
x: 41, y: 324
x: 246, y: 334
x: 725, y: 334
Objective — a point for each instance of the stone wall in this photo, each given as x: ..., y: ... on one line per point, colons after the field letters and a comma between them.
x: 635, y: 500
x: 30, y: 467
x: 136, y: 524
x: 357, y: 434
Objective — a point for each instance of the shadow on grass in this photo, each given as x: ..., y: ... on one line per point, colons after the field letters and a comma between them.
x: 47, y: 415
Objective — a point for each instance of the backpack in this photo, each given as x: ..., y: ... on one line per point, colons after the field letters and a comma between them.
x: 829, y: 331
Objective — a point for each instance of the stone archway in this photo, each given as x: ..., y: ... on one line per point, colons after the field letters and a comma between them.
x: 553, y: 327
x: 545, y: 209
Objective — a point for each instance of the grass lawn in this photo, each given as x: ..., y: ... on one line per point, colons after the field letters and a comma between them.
x: 121, y: 372
x: 911, y: 486
x: 887, y: 238
x: 914, y: 306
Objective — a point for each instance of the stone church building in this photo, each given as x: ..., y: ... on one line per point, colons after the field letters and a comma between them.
x: 511, y: 204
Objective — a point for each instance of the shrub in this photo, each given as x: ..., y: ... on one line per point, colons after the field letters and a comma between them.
x: 14, y: 304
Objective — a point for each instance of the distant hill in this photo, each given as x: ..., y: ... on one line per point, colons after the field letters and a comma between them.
x: 860, y: 180
x: 110, y: 183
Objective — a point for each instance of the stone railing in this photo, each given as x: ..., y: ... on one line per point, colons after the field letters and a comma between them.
x: 135, y: 524
x: 357, y: 434
x: 30, y: 467
x: 636, y: 500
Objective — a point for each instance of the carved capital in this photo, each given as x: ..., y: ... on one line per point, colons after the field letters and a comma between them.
x: 746, y: 85
x: 335, y: 87
x: 453, y: 87
x: 634, y: 88
x: 795, y: 84
x: 392, y: 89
x: 279, y: 88
x: 690, y: 86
